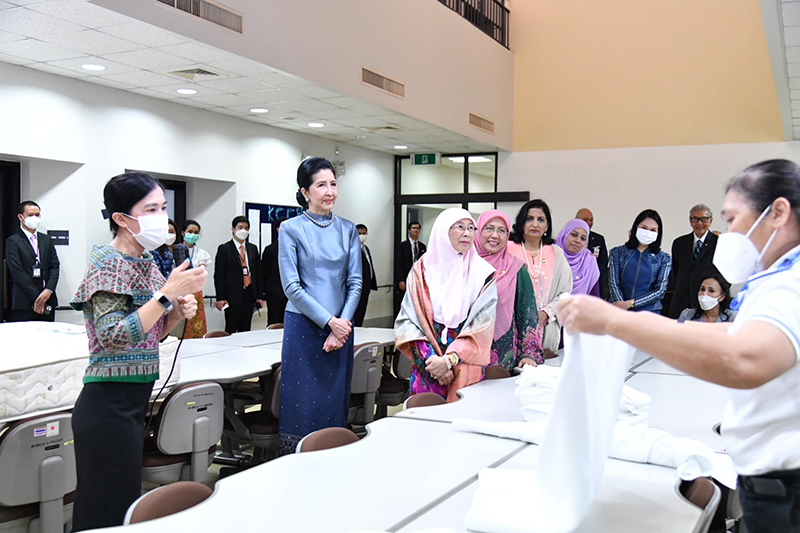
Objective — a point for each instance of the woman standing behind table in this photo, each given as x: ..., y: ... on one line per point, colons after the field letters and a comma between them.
x: 320, y: 264
x: 517, y: 340
x: 573, y: 239
x: 638, y: 271
x: 532, y: 242
x: 447, y: 316
x: 172, y: 253
x: 128, y: 307
x: 196, y: 328
x: 714, y: 298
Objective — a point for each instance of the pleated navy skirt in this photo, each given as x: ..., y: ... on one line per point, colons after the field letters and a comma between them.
x: 315, y: 385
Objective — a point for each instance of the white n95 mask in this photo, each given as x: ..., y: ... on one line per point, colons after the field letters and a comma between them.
x: 646, y: 237
x: 241, y: 234
x: 736, y: 257
x: 707, y: 303
x: 32, y: 222
x: 153, y: 230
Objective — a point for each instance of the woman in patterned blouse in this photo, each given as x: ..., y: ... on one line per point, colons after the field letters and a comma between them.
x: 126, y: 316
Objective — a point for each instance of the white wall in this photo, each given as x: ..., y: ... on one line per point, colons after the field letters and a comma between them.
x: 617, y: 184
x: 73, y: 136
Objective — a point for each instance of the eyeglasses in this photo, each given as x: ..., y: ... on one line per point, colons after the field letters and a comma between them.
x: 704, y: 220
x: 461, y: 228
x: 502, y: 232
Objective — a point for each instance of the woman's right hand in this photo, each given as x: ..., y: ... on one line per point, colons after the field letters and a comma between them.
x: 587, y: 314
x: 183, y: 282
x: 544, y: 318
x: 340, y: 327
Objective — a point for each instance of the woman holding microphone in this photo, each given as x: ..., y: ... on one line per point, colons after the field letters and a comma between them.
x: 755, y: 357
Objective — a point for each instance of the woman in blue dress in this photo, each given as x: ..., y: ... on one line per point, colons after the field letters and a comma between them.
x: 320, y: 264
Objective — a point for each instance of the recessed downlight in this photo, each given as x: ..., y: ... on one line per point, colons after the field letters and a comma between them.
x: 93, y: 67
x: 400, y: 147
x: 316, y: 125
x: 187, y: 92
x: 259, y: 110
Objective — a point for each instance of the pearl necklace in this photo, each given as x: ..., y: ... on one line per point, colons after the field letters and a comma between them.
x: 320, y: 224
x: 530, y: 264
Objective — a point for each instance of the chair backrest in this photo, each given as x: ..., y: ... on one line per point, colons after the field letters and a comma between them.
x: 167, y: 500
x: 275, y: 326
x: 325, y: 439
x: 496, y: 372
x: 190, y: 419
x: 702, y: 493
x: 401, y: 365
x: 423, y: 399
x: 367, y: 364
x: 275, y: 405
x: 214, y: 334
x: 37, y: 460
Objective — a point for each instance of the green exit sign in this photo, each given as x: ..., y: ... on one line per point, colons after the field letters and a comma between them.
x: 426, y: 159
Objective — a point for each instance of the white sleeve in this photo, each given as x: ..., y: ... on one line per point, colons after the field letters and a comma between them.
x: 777, y: 304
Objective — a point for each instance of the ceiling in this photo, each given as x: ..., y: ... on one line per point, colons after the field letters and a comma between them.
x: 60, y: 36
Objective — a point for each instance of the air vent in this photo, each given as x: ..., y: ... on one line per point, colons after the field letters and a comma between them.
x: 481, y: 123
x: 214, y: 13
x: 382, y: 129
x: 195, y: 74
x: 383, y: 83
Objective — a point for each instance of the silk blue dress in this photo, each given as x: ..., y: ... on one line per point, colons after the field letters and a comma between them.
x: 321, y: 276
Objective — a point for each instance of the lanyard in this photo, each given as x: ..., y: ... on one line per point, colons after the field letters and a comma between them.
x: 787, y: 264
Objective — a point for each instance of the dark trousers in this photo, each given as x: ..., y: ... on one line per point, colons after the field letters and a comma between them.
x: 361, y: 310
x: 238, y: 317
x: 276, y: 307
x: 108, y: 425
x: 771, y: 503
x: 18, y: 315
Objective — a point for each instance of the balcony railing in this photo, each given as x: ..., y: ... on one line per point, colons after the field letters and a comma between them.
x: 489, y: 16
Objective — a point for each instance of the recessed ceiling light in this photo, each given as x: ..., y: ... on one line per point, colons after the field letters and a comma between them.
x: 316, y: 125
x: 259, y: 110
x: 186, y: 91
x: 93, y: 67
x: 401, y: 147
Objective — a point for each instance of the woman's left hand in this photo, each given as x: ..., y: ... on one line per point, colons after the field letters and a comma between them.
x: 447, y: 378
x: 436, y: 366
x: 333, y: 343
x: 187, y: 307
x: 527, y: 361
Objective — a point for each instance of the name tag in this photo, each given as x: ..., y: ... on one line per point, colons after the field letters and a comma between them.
x: 37, y: 271
x: 596, y: 251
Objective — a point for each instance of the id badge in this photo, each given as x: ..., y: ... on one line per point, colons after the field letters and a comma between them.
x: 37, y: 271
x: 245, y: 272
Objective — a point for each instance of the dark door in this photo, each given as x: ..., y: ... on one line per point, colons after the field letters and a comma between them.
x: 9, y: 200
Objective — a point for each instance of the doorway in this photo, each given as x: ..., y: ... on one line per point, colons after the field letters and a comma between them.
x: 9, y: 201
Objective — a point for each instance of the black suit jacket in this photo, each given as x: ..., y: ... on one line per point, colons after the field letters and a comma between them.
x: 272, y: 273
x: 687, y: 275
x: 598, y: 242
x: 21, y: 258
x: 372, y: 283
x: 228, y: 273
x: 404, y: 259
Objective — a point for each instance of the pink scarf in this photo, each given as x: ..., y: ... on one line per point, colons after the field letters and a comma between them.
x: 507, y: 267
x: 454, y: 280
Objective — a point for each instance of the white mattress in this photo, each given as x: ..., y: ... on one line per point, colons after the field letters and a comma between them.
x: 42, y: 366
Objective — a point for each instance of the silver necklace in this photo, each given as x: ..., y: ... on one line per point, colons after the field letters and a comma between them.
x: 320, y: 224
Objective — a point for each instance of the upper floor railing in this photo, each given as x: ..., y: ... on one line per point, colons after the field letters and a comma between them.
x: 490, y: 16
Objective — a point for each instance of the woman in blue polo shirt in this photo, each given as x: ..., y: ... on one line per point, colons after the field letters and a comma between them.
x: 755, y: 357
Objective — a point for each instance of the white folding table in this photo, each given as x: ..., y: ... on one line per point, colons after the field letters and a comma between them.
x: 655, y: 366
x: 230, y: 366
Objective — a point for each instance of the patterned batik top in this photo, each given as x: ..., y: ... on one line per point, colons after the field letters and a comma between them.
x: 113, y: 289
x: 523, y: 338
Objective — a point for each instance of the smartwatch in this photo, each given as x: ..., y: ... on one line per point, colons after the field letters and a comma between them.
x: 165, y: 302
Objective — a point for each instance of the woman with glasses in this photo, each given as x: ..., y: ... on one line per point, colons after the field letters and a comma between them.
x: 517, y: 340
x: 532, y: 242
x: 447, y: 316
x: 573, y: 239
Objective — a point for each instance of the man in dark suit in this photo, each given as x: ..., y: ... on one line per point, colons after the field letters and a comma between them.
x: 237, y: 278
x: 273, y: 289
x: 369, y: 280
x: 34, y: 267
x: 405, y: 256
x: 692, y: 259
x: 597, y: 245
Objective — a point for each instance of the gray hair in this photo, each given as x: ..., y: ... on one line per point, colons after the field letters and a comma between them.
x: 701, y: 207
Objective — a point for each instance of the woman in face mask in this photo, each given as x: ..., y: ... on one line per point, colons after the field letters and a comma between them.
x: 128, y: 307
x: 638, y: 271
x: 172, y: 253
x: 756, y: 356
x: 196, y: 327
x: 714, y: 299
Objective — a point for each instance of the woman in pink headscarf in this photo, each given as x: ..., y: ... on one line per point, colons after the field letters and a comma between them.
x: 573, y: 239
x: 447, y: 317
x: 517, y: 340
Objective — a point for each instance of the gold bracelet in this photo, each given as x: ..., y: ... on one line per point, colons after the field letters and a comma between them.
x: 453, y: 358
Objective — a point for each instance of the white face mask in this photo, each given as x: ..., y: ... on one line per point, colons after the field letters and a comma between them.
x: 362, y: 238
x: 153, y: 230
x: 736, y: 257
x: 241, y: 234
x: 646, y: 237
x: 171, y: 239
x: 32, y: 222
x: 707, y: 303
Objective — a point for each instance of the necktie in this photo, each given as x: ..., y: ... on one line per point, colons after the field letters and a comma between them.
x: 697, y: 249
x: 416, y: 251
x: 35, y: 245
x: 245, y: 271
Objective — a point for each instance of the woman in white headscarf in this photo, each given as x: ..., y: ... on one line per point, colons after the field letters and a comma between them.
x: 446, y: 322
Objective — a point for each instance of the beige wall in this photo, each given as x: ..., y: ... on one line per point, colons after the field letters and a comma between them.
x: 617, y: 73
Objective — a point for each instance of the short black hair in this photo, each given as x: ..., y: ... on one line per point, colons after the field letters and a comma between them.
x: 124, y: 191
x: 633, y: 242
x: 413, y: 222
x: 518, y: 229
x: 763, y: 183
x: 305, y: 175
x: 191, y: 222
x: 279, y: 221
x: 362, y: 226
x: 26, y: 203
x: 713, y: 273
x: 239, y: 219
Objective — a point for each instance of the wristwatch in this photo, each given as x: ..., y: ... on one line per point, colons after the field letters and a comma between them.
x: 165, y: 302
